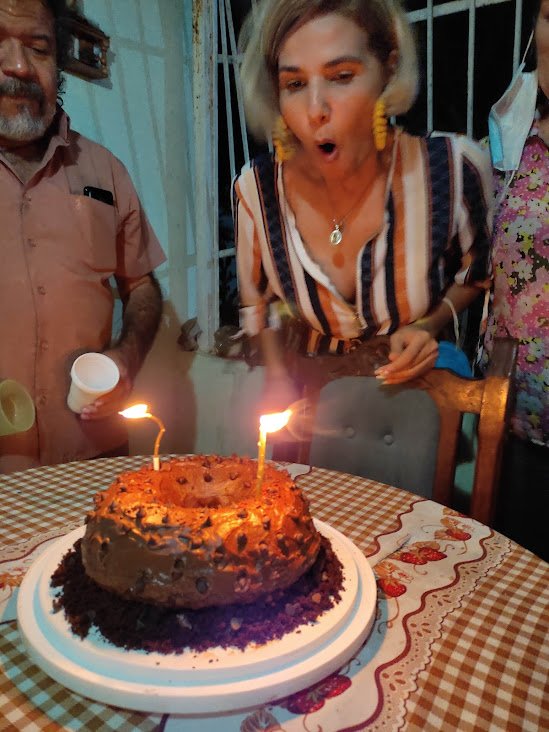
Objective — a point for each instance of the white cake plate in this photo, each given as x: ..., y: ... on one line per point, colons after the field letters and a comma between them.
x: 213, y: 681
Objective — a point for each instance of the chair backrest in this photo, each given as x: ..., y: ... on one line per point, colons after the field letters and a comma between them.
x: 408, y: 435
x: 385, y: 433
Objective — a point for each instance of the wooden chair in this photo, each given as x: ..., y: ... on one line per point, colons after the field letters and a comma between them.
x: 405, y: 435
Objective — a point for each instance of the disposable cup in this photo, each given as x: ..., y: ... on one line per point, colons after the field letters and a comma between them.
x: 16, y: 408
x: 92, y: 375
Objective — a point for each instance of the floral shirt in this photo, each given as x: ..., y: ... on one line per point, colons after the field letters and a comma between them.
x: 520, y: 306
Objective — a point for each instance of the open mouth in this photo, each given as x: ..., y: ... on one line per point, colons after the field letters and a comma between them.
x: 327, y: 147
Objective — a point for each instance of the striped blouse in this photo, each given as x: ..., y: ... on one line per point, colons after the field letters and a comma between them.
x: 436, y: 231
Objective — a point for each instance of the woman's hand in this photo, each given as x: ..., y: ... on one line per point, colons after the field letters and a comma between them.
x: 413, y: 352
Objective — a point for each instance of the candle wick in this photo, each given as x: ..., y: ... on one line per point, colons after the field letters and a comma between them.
x: 162, y: 429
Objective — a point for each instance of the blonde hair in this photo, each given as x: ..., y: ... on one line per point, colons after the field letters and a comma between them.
x: 268, y: 25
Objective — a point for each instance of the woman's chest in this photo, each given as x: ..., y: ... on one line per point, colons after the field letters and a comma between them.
x: 333, y: 245
x: 337, y: 261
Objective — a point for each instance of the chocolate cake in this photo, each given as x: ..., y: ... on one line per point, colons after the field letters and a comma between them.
x: 135, y: 625
x: 197, y: 533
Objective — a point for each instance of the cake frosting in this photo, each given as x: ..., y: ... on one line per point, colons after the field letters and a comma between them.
x: 197, y: 533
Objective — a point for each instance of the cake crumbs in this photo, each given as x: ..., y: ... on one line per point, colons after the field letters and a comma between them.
x: 135, y: 625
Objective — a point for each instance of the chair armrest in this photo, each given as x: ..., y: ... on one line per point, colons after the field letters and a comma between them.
x: 497, y: 401
x: 504, y: 356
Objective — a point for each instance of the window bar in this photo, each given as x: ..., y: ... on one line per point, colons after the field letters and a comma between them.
x: 227, y: 85
x: 429, y: 66
x: 471, y: 66
x: 206, y: 169
x: 450, y: 8
x: 238, y: 86
x: 518, y: 33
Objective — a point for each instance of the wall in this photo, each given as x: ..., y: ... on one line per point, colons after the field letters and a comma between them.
x: 143, y: 114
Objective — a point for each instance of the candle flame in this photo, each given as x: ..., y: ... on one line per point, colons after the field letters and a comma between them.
x: 274, y: 422
x: 137, y: 411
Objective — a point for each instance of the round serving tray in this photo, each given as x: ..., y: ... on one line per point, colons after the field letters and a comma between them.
x: 217, y: 680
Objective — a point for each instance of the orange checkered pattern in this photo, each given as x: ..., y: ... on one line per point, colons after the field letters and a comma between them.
x: 476, y: 655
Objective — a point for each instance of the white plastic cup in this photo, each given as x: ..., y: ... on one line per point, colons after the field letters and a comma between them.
x: 16, y: 408
x: 92, y: 374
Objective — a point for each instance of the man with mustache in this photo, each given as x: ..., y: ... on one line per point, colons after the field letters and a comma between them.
x: 70, y: 220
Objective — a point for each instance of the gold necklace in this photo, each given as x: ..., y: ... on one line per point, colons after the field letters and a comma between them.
x: 336, y: 235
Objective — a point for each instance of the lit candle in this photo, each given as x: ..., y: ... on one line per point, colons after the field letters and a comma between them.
x: 140, y: 411
x: 268, y: 423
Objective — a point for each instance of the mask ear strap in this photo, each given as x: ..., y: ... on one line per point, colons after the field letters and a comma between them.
x: 505, y: 187
x: 530, y: 39
x: 511, y: 175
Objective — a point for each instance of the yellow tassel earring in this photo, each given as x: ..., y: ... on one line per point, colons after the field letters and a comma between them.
x: 282, y: 140
x: 379, y: 125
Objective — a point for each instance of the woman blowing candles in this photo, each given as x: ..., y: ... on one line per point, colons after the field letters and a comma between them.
x: 519, y: 139
x: 357, y: 227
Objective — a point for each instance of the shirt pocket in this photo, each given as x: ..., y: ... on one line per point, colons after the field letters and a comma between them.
x: 96, y: 226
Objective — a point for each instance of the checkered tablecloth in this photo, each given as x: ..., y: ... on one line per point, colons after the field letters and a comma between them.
x: 460, y: 640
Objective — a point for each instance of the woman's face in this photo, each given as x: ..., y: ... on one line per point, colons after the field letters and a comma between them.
x: 541, y: 38
x: 329, y: 81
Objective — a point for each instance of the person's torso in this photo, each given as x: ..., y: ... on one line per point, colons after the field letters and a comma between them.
x: 401, y: 271
x: 520, y: 307
x: 58, y: 251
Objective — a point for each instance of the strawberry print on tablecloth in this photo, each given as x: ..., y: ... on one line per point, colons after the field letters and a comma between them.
x: 417, y: 585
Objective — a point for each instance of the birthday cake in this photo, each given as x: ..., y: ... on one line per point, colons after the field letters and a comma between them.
x: 199, y: 533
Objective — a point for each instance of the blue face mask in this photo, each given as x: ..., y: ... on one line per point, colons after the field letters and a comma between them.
x: 511, y: 118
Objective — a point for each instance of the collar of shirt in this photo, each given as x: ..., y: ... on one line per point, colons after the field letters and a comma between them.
x: 59, y: 137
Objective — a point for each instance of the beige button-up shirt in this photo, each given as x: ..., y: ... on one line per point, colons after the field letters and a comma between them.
x: 58, y: 249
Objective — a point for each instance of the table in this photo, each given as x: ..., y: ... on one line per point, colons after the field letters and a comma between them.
x: 460, y: 641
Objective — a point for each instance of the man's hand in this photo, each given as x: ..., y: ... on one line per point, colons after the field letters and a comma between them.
x: 115, y: 400
x: 413, y: 352
x: 142, y: 310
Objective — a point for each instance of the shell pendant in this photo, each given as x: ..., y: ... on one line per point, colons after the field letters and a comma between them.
x: 336, y: 236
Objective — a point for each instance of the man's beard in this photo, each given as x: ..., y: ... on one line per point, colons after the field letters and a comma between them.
x: 26, y: 125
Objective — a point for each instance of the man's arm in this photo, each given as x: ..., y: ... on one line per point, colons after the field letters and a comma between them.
x: 142, y: 302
